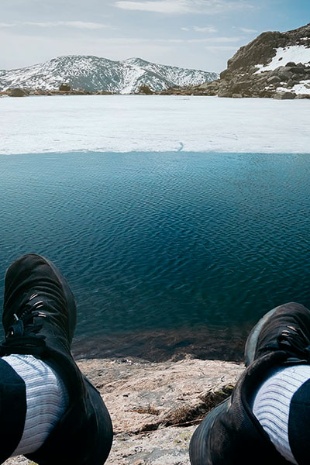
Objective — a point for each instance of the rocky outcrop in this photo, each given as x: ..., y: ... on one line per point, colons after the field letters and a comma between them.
x: 275, y: 64
x: 155, y: 407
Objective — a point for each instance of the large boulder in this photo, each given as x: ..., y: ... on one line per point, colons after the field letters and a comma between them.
x: 16, y: 92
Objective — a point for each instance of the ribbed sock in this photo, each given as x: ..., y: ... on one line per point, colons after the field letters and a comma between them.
x: 272, y: 405
x: 46, y: 400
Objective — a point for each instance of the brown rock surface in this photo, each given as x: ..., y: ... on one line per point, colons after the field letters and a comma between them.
x: 155, y: 407
x: 241, y: 80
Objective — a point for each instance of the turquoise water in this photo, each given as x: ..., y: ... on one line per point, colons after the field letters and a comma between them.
x: 170, y: 252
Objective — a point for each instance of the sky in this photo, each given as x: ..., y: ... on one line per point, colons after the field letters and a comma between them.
x: 197, y: 34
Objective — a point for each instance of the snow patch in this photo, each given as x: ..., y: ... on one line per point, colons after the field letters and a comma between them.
x: 302, y: 88
x: 294, y: 53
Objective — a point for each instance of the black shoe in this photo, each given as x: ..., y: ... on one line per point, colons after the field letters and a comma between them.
x: 286, y: 327
x: 230, y: 434
x: 39, y: 318
x: 39, y: 309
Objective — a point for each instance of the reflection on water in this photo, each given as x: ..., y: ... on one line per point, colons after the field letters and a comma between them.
x: 153, y: 243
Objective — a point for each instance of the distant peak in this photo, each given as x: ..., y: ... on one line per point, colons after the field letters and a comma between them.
x: 95, y: 74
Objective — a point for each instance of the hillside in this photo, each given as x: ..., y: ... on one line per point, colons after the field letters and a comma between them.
x: 94, y: 74
x: 275, y: 64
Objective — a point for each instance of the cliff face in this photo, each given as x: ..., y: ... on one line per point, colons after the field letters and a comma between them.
x: 275, y: 64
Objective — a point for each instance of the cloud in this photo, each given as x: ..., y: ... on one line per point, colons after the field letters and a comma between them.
x: 203, y: 30
x: 73, y: 24
x: 203, y: 53
x: 203, y: 40
x: 210, y: 7
x: 223, y: 48
x: 3, y: 25
x: 247, y: 30
x: 157, y: 6
x: 207, y: 30
x: 54, y: 24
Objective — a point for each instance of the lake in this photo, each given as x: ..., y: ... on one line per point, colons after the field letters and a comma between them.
x: 167, y: 253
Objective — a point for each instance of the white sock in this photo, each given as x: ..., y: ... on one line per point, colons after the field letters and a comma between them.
x: 46, y: 400
x: 272, y: 405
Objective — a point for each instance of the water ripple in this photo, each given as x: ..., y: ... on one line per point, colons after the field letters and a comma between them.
x: 159, y: 241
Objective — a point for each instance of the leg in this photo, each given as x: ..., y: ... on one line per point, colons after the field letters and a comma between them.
x: 39, y: 318
x: 232, y: 434
x: 12, y: 408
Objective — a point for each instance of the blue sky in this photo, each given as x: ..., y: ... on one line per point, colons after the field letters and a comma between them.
x: 200, y: 34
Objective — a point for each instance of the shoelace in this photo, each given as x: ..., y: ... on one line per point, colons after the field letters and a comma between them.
x: 294, y: 340
x: 22, y: 336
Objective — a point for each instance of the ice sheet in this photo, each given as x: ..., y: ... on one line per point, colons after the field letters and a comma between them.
x: 121, y: 123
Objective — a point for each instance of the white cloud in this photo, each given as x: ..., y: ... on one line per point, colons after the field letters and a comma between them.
x: 157, y: 6
x: 200, y: 54
x: 52, y: 24
x: 73, y: 24
x: 3, y: 25
x: 222, y: 48
x: 247, y: 30
x: 203, y: 30
x: 183, y: 6
x: 214, y: 40
x: 207, y: 30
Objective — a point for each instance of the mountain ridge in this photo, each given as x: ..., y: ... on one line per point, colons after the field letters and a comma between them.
x: 93, y: 74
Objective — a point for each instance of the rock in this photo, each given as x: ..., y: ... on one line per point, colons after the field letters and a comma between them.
x: 155, y: 407
x: 226, y: 74
x: 241, y: 78
x: 64, y: 88
x: 273, y: 79
x: 17, y: 92
x: 290, y: 83
x: 259, y: 51
x: 144, y: 89
x: 225, y: 93
x: 303, y: 96
x: 298, y: 69
x: 283, y: 73
x: 285, y: 95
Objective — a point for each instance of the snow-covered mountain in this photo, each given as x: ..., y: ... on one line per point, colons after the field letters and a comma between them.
x: 90, y: 73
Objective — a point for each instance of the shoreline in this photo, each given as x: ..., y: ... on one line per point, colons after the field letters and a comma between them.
x: 164, y: 345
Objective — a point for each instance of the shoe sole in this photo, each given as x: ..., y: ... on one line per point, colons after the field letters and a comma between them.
x: 251, y: 343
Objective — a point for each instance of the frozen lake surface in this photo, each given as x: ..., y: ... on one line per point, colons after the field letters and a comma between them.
x: 153, y: 123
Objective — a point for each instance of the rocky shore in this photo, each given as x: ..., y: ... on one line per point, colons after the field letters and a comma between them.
x: 155, y: 407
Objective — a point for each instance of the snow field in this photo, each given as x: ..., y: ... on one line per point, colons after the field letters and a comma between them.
x: 126, y: 123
